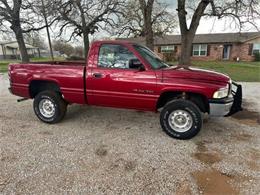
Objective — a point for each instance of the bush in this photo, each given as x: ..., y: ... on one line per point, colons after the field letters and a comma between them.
x: 257, y: 57
x: 76, y: 58
x: 169, y: 57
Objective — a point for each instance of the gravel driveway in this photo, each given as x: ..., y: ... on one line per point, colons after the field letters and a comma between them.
x: 112, y: 151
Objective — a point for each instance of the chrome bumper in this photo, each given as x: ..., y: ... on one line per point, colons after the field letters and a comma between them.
x: 220, y: 108
x: 227, y: 106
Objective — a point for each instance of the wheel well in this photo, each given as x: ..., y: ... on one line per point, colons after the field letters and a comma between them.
x: 38, y: 86
x: 200, y: 100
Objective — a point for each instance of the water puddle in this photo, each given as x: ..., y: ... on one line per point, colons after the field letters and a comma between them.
x: 206, y: 156
x: 214, y: 182
x: 248, y: 117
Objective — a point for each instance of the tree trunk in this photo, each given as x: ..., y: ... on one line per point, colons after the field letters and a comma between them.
x: 85, y: 29
x: 86, y: 44
x: 147, y: 8
x: 20, y: 40
x: 188, y: 34
x: 186, y: 49
x: 16, y: 27
x: 149, y: 39
x: 47, y: 29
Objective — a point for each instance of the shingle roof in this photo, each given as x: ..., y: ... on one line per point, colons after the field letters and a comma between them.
x: 203, y: 38
x: 7, y: 42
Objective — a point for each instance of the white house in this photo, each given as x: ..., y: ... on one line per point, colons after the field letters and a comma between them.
x: 10, y: 50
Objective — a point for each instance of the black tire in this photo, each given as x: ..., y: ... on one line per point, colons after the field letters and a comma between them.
x: 190, y: 110
x: 60, y: 106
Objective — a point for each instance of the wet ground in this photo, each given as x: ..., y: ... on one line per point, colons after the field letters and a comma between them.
x: 248, y: 117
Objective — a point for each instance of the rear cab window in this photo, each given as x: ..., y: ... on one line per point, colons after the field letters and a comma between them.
x: 115, y: 56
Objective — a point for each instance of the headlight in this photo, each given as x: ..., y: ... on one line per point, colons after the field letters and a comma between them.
x: 221, y: 93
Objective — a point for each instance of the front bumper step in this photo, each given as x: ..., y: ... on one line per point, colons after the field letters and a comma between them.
x: 237, y: 95
x: 229, y: 105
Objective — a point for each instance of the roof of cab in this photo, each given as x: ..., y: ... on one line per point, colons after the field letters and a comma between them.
x: 115, y: 42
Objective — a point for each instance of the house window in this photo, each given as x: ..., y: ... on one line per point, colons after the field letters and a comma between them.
x: 167, y: 48
x: 199, y: 50
x: 256, y: 48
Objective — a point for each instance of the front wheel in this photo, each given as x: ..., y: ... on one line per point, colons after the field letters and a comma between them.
x: 181, y: 119
x: 49, y: 107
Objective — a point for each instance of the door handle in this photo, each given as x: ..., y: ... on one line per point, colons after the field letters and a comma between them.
x: 97, y: 75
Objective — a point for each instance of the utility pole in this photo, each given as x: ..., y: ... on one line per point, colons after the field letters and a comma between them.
x: 47, y: 29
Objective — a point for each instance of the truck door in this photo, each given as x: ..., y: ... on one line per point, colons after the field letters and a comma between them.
x: 119, y: 79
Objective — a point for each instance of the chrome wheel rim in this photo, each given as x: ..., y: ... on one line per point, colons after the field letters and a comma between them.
x: 180, y: 121
x: 47, y: 108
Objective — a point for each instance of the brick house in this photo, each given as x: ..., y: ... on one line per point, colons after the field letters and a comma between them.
x: 210, y: 47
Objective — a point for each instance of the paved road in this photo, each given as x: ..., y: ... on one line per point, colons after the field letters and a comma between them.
x: 111, y: 151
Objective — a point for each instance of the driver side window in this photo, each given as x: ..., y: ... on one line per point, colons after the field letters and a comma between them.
x: 115, y: 56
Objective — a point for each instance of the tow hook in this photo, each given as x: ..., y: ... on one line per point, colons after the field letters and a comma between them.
x: 22, y: 99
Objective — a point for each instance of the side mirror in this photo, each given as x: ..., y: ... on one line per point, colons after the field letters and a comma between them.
x: 136, y: 64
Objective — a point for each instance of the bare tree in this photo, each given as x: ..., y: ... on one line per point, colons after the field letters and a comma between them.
x: 10, y: 12
x: 84, y: 17
x: 18, y: 16
x: 241, y: 11
x: 132, y: 22
x: 45, y: 16
x: 34, y: 38
x: 63, y: 47
x: 46, y: 11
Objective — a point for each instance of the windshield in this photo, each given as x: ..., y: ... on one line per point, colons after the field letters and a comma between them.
x: 151, y: 57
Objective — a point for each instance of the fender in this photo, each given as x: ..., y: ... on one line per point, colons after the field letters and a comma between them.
x: 187, y: 90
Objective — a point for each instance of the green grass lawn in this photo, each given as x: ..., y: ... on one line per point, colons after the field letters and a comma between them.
x: 238, y: 71
x: 46, y: 59
x: 4, y: 65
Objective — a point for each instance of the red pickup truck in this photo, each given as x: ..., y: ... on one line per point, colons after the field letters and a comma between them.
x: 123, y: 74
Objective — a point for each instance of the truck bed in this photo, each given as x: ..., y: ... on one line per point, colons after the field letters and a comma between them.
x: 67, y: 75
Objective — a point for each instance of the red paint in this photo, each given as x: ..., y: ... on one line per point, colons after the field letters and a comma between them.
x: 122, y: 88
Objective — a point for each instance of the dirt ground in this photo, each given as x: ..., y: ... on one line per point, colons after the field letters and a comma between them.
x: 112, y: 151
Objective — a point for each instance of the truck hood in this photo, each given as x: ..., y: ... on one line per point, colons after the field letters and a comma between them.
x: 195, y: 74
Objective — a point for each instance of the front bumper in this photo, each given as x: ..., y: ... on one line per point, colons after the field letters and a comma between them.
x: 227, y: 106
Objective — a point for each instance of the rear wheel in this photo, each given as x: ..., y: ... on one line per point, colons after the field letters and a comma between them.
x: 49, y: 107
x: 181, y: 119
